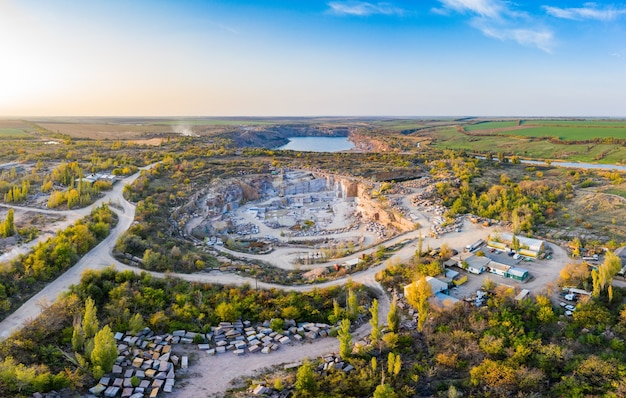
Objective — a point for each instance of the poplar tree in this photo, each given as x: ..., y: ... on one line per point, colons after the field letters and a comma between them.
x: 418, y: 295
x: 345, y: 339
x: 375, y: 334
x: 104, y: 352
x: 393, y: 319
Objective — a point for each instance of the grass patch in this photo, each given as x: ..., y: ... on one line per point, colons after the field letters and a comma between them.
x: 12, y: 133
x: 491, y: 125
x: 617, y: 191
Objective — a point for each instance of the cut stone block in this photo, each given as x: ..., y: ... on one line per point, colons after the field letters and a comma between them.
x: 266, y: 350
x: 254, y: 348
x: 185, y: 362
x: 105, y: 381
x: 111, y: 392
x: 239, y: 352
x: 137, y: 362
x: 97, y: 389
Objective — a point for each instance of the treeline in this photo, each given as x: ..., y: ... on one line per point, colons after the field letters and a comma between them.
x: 524, y: 203
x: 127, y: 301
x: 23, y: 277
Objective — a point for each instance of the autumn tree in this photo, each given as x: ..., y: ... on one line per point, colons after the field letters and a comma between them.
x: 574, y: 274
x: 7, y: 228
x: 418, y: 294
x: 606, y: 272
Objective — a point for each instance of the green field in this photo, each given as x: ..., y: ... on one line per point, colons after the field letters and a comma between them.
x: 576, y: 123
x: 491, y: 125
x: 10, y: 133
x: 570, y: 133
x: 450, y: 138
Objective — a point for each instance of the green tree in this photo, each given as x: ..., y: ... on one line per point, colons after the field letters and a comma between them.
x: 104, y: 352
x: 306, y: 385
x: 90, y: 319
x: 393, y: 318
x: 136, y: 323
x: 337, y: 313
x: 345, y: 339
x: 375, y: 334
x: 384, y: 391
x: 352, y: 306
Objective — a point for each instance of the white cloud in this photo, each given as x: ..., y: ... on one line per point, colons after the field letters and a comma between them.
x: 363, y: 8
x: 497, y: 19
x: 542, y: 39
x: 588, y: 11
x: 484, y: 8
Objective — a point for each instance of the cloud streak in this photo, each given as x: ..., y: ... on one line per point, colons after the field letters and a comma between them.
x: 363, y: 8
x: 589, y: 11
x: 498, y: 20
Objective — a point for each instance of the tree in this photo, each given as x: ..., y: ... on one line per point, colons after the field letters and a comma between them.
x: 8, y: 227
x: 306, y: 385
x: 420, y: 244
x: 227, y: 312
x: 345, y: 339
x: 136, y: 324
x: 393, y: 318
x: 104, y: 352
x: 352, y: 306
x: 574, y: 274
x: 384, y: 391
x: 90, y: 319
x: 418, y: 294
x: 394, y: 364
x: 606, y: 272
x: 375, y: 334
x: 336, y: 314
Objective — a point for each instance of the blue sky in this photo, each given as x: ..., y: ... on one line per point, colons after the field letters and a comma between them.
x: 309, y: 58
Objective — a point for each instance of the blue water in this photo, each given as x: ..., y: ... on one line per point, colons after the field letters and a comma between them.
x: 318, y: 144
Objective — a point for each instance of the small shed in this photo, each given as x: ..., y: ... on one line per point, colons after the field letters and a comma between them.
x: 498, y: 269
x: 519, y: 274
x: 476, y: 265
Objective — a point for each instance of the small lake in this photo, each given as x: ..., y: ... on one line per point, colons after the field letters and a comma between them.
x: 318, y: 144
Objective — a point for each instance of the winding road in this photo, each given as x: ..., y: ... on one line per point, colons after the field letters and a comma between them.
x: 101, y: 257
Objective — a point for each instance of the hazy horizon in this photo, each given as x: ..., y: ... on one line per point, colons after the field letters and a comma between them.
x: 312, y: 58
